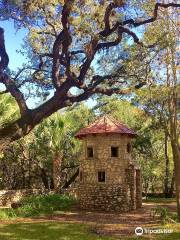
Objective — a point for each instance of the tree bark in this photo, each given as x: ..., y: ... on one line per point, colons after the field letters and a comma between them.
x: 44, y: 178
x: 166, y: 179
x: 57, y: 179
x: 171, y: 190
x: 72, y: 179
x: 176, y: 158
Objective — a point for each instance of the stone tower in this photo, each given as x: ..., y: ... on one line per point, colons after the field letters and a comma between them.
x: 109, y: 179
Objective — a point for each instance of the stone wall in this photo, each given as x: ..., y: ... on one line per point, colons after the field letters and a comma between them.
x: 138, y: 189
x: 119, y: 192
x: 12, y: 196
x: 104, y: 198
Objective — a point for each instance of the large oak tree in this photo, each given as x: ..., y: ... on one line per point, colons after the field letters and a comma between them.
x: 73, y: 33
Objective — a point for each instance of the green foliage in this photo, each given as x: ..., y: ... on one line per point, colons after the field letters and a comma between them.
x: 44, y: 204
x: 122, y: 110
x: 162, y: 213
x: 6, y: 214
x: 39, y: 205
x: 8, y: 110
x: 53, y: 136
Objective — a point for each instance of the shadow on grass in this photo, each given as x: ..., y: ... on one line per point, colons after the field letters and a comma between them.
x: 47, y: 231
x: 64, y: 231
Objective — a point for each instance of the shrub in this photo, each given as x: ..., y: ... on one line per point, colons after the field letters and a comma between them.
x: 3, y: 214
x: 160, y: 212
x: 39, y: 205
x: 7, y: 213
x: 164, y: 215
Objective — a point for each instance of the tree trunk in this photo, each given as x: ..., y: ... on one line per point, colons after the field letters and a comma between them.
x: 171, y: 190
x: 44, y: 178
x: 172, y: 84
x: 72, y: 179
x: 57, y: 162
x: 166, y: 178
x: 176, y: 158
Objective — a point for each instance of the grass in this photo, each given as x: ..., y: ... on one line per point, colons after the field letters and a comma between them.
x: 175, y: 235
x: 46, y: 231
x: 159, y: 200
x: 68, y: 231
x: 38, y: 206
x: 53, y: 230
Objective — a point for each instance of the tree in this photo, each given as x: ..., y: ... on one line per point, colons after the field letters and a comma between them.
x: 49, y: 156
x: 67, y: 63
x: 162, y: 99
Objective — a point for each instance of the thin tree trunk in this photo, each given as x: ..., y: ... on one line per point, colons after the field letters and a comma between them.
x: 166, y: 179
x: 44, y: 178
x: 176, y: 157
x: 171, y: 190
x: 57, y: 162
x: 72, y: 179
x: 172, y: 84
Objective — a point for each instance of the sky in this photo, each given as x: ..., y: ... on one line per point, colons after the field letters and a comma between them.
x: 14, y: 41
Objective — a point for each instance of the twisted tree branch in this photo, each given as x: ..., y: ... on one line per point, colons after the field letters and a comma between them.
x: 3, y: 54
x: 15, y: 92
x: 152, y: 19
x: 61, y: 55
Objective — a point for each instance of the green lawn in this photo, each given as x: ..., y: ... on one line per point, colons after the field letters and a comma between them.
x: 47, y: 231
x: 63, y: 231
x: 159, y: 200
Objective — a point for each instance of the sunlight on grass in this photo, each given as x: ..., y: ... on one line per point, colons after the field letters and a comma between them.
x: 69, y: 231
x: 46, y: 231
x: 159, y: 200
x: 167, y: 236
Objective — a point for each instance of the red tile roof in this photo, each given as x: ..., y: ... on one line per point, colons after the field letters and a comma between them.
x: 106, y: 124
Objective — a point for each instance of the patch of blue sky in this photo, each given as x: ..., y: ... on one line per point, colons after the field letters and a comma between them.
x: 14, y: 40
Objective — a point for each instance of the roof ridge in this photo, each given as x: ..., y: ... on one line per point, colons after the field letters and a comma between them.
x: 106, y: 124
x: 116, y: 122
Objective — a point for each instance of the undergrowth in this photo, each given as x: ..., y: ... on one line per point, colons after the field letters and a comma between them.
x: 39, y: 205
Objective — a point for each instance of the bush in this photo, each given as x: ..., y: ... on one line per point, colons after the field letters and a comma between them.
x: 164, y: 215
x: 39, y: 205
x: 7, y: 213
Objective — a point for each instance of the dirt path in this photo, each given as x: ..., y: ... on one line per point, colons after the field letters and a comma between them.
x: 115, y: 224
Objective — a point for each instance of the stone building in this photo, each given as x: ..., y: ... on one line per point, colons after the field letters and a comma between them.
x: 109, y: 179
